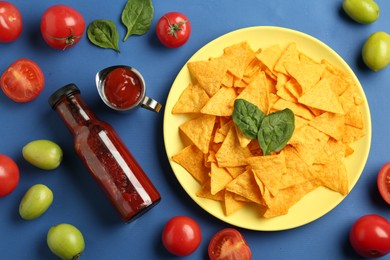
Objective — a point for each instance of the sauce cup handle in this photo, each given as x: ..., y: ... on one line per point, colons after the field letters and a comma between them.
x: 150, y: 104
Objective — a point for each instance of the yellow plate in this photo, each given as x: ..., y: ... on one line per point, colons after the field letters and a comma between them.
x: 312, y: 206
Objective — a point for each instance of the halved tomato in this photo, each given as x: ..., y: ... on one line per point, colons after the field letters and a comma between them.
x: 383, y: 182
x: 229, y: 244
x: 23, y: 80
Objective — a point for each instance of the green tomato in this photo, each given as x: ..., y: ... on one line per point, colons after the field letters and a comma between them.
x: 43, y: 154
x: 362, y: 11
x: 65, y: 241
x: 35, y: 202
x: 376, y: 51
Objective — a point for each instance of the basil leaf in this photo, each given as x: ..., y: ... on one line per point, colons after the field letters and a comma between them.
x: 137, y: 16
x: 247, y: 117
x: 276, y: 130
x: 103, y: 34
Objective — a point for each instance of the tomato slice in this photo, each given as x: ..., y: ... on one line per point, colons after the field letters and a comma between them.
x: 383, y: 182
x: 229, y: 244
x: 23, y: 81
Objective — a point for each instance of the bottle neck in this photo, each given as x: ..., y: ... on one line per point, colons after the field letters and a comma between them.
x: 74, y: 112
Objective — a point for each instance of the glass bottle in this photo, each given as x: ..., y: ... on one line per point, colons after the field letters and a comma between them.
x: 106, y: 157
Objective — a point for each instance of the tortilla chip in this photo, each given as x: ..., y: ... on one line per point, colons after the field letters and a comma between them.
x: 221, y: 104
x: 269, y: 169
x: 297, y: 171
x: 219, y: 178
x: 228, y: 80
x: 235, y: 171
x: 330, y: 124
x: 298, y: 109
x: 242, y: 138
x: 307, y: 75
x: 280, y: 205
x: 253, y: 65
x: 270, y: 56
x: 199, y: 131
x: 191, y: 159
x: 231, y: 154
x: 285, y: 94
x: 245, y: 185
x: 333, y: 175
x: 340, y: 79
x: 231, y: 205
x: 236, y: 54
x: 352, y: 134
x: 300, y: 122
x: 222, y: 132
x: 294, y: 88
x: 308, y: 141
x: 354, y: 117
x: 332, y: 151
x: 209, y: 74
x: 257, y: 92
x: 321, y: 96
x: 289, y: 55
x: 191, y: 100
x: 205, y: 192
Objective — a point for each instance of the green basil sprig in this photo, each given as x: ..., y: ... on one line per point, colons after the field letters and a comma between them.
x: 275, y: 131
x: 272, y: 131
x: 137, y: 16
x: 247, y: 117
x: 103, y: 33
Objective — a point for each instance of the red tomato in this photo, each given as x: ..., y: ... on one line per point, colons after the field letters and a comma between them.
x: 173, y: 29
x: 383, y: 182
x: 229, y: 244
x: 9, y: 175
x: 370, y: 236
x: 62, y: 26
x: 181, y: 235
x: 22, y: 81
x: 10, y: 22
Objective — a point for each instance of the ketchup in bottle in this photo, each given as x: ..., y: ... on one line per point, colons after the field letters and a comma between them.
x: 106, y: 157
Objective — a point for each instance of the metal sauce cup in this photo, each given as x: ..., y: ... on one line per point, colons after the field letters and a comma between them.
x: 143, y: 100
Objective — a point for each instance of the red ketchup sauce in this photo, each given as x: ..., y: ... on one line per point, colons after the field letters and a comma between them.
x: 122, y: 88
x: 105, y: 156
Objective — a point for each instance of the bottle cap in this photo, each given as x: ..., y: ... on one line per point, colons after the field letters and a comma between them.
x: 66, y: 90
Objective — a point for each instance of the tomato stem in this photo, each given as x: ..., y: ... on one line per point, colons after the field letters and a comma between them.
x: 175, y: 27
x: 69, y: 40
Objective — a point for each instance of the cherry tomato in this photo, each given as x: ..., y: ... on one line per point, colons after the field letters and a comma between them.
x: 35, y: 201
x: 376, y: 51
x: 229, y: 244
x: 370, y: 236
x: 62, y: 26
x: 43, y: 154
x: 181, y: 235
x: 173, y: 29
x: 383, y: 182
x: 9, y: 175
x: 11, y: 25
x: 65, y: 241
x: 362, y: 11
x: 22, y: 81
